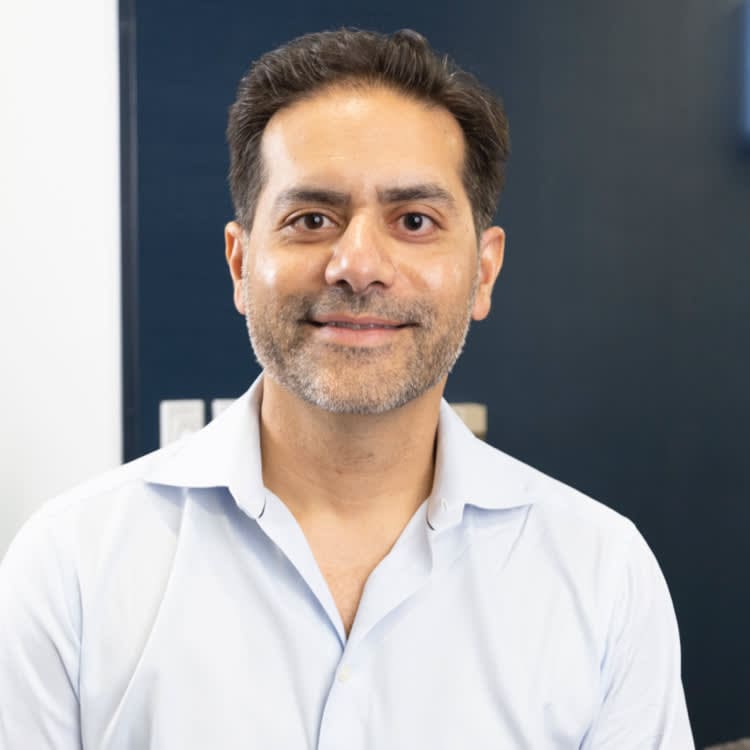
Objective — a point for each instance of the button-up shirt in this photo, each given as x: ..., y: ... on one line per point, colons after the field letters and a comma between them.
x: 175, y: 603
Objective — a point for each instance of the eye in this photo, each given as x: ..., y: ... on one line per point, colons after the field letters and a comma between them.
x: 311, y: 222
x: 416, y: 223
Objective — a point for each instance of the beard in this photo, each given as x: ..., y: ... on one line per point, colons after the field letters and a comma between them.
x: 355, y: 379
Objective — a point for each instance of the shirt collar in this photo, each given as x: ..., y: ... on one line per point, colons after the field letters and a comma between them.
x: 468, y: 471
x: 226, y: 453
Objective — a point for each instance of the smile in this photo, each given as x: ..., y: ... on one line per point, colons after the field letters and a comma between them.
x: 363, y: 332
x: 357, y: 326
x: 356, y: 322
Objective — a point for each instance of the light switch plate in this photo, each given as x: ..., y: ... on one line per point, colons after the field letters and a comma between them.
x: 474, y: 416
x: 219, y: 404
x: 179, y: 417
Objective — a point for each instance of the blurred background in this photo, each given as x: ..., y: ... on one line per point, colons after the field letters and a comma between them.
x: 616, y: 357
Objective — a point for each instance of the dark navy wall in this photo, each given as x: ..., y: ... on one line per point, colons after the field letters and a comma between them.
x: 617, y: 356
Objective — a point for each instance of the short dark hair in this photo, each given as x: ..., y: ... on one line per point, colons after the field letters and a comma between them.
x: 403, y: 61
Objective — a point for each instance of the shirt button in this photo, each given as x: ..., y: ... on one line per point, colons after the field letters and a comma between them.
x: 443, y: 504
x: 344, y: 674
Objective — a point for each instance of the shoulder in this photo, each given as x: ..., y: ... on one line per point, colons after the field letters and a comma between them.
x: 559, y: 507
x: 570, y: 537
x: 75, y: 531
x: 562, y: 521
x: 104, y: 488
x: 577, y: 549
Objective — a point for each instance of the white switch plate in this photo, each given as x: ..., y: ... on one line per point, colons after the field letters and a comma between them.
x: 474, y: 416
x: 219, y: 404
x: 180, y: 417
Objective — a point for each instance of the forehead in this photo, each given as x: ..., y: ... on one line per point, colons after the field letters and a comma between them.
x: 361, y: 140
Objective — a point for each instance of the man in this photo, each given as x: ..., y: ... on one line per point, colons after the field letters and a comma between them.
x: 336, y: 562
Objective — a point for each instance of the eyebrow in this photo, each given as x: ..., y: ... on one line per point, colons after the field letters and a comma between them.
x: 296, y: 195
x: 427, y: 191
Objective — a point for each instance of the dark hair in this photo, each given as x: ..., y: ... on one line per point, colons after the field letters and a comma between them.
x: 403, y: 61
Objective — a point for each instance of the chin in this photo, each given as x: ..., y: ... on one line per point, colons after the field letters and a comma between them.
x: 365, y: 396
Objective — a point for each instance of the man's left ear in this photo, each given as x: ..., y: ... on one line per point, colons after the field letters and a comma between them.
x: 491, y: 253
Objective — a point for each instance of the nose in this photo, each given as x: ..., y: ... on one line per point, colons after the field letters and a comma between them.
x: 359, y: 258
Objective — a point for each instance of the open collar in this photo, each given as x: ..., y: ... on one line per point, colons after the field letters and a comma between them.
x: 469, y: 471
x: 227, y: 453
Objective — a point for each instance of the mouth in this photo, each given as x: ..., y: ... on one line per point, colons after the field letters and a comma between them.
x: 356, y: 324
x: 358, y: 332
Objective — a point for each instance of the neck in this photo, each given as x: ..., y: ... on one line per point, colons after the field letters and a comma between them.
x: 351, y: 468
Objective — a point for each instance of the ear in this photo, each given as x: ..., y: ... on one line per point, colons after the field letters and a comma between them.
x: 235, y: 253
x: 491, y: 253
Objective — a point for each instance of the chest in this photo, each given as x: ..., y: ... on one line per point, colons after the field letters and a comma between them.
x: 346, y: 579
x: 209, y: 644
x: 454, y: 664
x: 346, y: 558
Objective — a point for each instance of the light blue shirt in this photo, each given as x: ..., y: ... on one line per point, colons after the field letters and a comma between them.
x: 174, y: 604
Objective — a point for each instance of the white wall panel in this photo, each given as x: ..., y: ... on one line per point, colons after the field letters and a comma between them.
x: 60, y: 412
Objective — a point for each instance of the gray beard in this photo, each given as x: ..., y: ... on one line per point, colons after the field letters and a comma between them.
x: 364, y: 381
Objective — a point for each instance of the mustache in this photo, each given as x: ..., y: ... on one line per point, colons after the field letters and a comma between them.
x: 374, y: 303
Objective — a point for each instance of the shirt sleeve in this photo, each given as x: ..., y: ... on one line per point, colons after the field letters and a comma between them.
x: 39, y: 642
x: 643, y: 702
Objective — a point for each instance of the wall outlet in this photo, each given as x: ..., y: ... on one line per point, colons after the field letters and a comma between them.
x: 180, y: 417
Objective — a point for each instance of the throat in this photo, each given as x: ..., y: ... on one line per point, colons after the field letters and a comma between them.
x: 347, y: 554
x: 347, y: 466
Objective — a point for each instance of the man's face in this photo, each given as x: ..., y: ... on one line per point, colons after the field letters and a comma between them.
x: 361, y: 272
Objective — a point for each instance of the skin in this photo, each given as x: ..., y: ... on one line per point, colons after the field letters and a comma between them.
x: 363, y: 221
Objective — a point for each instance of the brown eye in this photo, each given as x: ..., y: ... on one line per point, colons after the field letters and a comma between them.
x: 413, y: 222
x: 313, y: 221
x: 416, y: 223
x: 310, y: 222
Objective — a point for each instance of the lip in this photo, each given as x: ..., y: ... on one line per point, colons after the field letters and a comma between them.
x: 356, y: 331
x: 356, y: 320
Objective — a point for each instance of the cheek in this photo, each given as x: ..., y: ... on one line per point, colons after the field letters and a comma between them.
x: 450, y: 278
x: 292, y: 267
x: 275, y: 274
x: 264, y: 271
x: 259, y: 285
